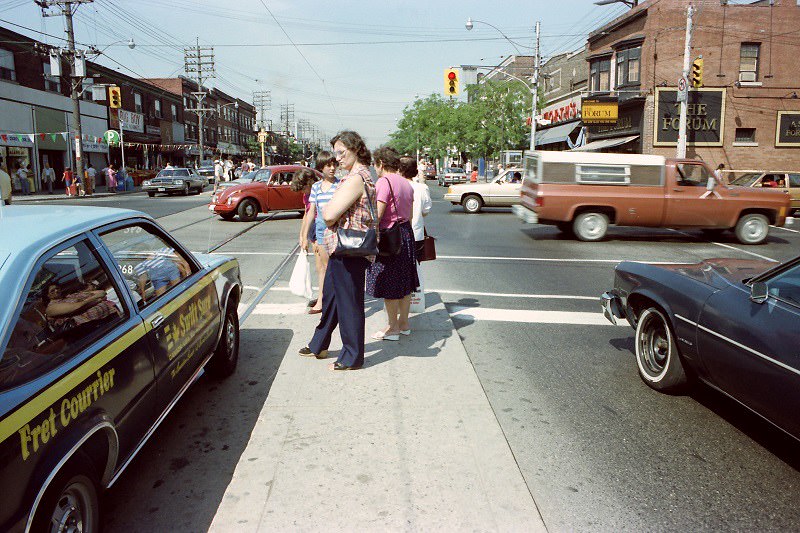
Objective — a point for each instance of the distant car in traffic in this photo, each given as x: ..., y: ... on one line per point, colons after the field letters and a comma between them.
x: 503, y: 191
x: 786, y: 181
x: 729, y: 323
x: 108, y: 321
x: 175, y: 180
x: 451, y: 175
x: 430, y: 172
x: 207, y: 172
x: 268, y: 192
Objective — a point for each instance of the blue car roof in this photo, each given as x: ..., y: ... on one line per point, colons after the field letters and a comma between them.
x: 27, y: 228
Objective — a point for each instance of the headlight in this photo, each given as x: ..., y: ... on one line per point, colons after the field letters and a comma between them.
x: 449, y: 190
x: 146, y: 183
x: 177, y: 182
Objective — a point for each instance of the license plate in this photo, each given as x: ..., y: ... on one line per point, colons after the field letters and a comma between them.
x: 161, y: 189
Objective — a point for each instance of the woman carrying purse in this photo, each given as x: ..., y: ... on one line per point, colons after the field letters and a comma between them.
x: 393, y: 275
x: 349, y: 212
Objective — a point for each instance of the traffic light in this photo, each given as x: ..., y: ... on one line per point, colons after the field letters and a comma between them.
x: 696, y: 77
x: 114, y: 97
x: 451, y: 83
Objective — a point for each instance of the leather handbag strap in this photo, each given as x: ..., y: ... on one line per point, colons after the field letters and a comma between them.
x: 369, y: 201
x: 391, y: 191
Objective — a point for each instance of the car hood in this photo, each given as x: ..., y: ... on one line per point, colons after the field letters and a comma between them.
x: 720, y: 273
x: 211, y: 260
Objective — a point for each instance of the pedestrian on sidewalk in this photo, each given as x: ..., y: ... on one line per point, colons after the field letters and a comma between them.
x: 112, y: 178
x: 68, y: 178
x: 422, y: 199
x: 343, y: 305
x: 394, y: 277
x: 5, y: 185
x: 302, y: 181
x: 217, y: 174
x: 89, y: 183
x: 321, y: 193
x: 48, y: 176
x: 22, y: 176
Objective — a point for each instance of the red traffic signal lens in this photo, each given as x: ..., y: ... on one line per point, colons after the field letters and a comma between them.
x: 451, y: 75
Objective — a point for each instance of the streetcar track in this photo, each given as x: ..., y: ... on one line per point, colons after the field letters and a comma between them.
x: 268, y: 285
x: 239, y: 233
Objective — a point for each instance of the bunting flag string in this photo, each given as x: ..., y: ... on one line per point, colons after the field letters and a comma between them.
x: 29, y: 137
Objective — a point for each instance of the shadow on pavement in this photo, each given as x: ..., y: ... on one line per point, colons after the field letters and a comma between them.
x: 547, y: 232
x: 179, y: 478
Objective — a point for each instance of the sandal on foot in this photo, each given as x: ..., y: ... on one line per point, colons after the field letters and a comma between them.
x: 306, y: 352
x: 339, y: 366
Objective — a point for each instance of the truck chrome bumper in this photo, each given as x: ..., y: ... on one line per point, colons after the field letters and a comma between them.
x: 612, y: 307
x: 525, y: 214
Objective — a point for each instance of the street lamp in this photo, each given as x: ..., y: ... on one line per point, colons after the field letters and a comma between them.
x: 535, y: 89
x: 130, y: 42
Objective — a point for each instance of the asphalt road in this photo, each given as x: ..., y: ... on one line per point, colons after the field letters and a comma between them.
x: 599, y: 449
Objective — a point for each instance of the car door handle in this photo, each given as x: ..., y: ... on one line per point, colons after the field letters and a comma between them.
x: 157, y: 320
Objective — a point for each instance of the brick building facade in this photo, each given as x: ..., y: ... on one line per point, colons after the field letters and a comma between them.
x: 746, y: 113
x: 563, y: 79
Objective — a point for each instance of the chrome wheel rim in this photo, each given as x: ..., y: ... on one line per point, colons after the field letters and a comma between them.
x: 654, y: 345
x: 230, y: 337
x: 753, y: 230
x: 249, y: 209
x: 593, y: 225
x: 472, y: 204
x: 71, y: 514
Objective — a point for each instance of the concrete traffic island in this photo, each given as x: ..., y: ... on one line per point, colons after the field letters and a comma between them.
x: 408, y: 442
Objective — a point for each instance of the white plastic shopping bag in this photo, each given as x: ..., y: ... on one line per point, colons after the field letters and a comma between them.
x: 300, y: 282
x: 418, y: 296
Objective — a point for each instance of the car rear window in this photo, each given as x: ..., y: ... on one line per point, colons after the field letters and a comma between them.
x: 174, y: 173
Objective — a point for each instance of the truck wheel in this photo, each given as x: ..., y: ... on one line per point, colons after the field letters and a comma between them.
x: 752, y: 228
x: 226, y: 356
x: 565, y: 227
x: 657, y: 355
x: 472, y: 203
x: 70, y: 502
x: 590, y: 226
x: 248, y: 210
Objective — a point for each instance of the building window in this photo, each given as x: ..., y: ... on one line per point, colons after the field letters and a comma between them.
x: 7, y: 70
x: 628, y: 66
x: 157, y: 105
x: 174, y: 110
x: 600, y: 75
x: 748, y: 62
x: 137, y: 100
x: 51, y: 83
x: 745, y: 135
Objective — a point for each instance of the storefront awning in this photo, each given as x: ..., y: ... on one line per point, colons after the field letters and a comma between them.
x: 602, y: 144
x: 556, y: 134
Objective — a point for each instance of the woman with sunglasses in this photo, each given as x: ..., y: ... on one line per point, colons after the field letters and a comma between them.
x: 351, y: 207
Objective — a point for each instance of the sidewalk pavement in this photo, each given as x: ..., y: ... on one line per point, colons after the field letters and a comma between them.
x: 409, y: 442
x: 59, y: 195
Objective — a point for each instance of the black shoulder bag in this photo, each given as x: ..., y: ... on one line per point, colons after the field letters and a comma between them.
x: 391, y: 240
x: 355, y: 242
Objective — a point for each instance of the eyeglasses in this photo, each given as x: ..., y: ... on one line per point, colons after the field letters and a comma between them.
x: 339, y: 153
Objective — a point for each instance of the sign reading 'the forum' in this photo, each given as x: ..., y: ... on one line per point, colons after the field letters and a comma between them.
x: 705, y: 117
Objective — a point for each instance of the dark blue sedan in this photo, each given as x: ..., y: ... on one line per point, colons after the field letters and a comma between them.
x: 733, y: 324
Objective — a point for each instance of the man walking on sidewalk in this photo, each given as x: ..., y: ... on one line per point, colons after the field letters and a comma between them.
x: 5, y: 185
x: 91, y: 174
x: 48, y: 176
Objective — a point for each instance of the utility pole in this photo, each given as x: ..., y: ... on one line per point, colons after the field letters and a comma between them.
x: 77, y: 69
x: 262, y: 100
x: 199, y: 60
x: 535, y: 104
x: 287, y: 117
x: 683, y: 84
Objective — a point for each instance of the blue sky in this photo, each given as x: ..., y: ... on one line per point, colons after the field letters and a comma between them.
x: 366, y: 85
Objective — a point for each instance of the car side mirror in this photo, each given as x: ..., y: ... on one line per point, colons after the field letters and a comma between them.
x: 712, y: 182
x: 759, y: 292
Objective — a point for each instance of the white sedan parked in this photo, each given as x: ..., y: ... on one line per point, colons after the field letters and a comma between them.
x: 503, y: 191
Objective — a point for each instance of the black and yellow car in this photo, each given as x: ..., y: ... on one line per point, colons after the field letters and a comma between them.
x: 107, y: 320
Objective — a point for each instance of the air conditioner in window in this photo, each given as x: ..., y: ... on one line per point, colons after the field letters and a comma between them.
x: 747, y: 76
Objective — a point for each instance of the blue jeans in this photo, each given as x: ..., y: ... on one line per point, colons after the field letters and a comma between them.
x: 25, y: 185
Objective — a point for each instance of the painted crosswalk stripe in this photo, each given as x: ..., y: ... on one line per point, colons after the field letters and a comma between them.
x: 529, y: 316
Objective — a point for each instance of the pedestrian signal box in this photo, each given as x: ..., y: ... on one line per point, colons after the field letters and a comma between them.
x: 451, y: 82
x: 114, y: 97
x: 696, y: 75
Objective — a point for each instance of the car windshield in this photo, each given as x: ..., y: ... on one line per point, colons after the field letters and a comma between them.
x: 745, y: 179
x: 174, y: 173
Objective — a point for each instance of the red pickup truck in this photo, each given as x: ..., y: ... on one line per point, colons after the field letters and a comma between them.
x: 583, y: 193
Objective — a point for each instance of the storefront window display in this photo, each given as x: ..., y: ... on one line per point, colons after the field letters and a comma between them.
x: 16, y: 157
